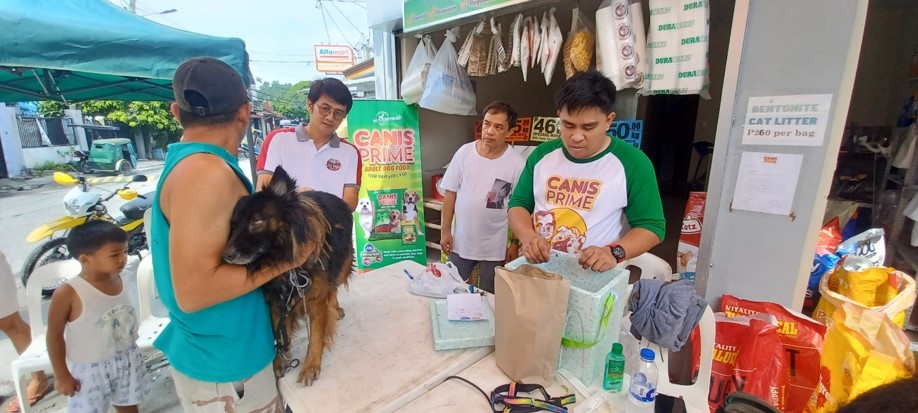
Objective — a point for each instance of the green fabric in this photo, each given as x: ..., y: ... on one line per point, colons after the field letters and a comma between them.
x: 645, y: 207
x: 226, y: 342
x: 92, y: 49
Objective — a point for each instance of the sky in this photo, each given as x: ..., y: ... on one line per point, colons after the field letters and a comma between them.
x: 279, y: 35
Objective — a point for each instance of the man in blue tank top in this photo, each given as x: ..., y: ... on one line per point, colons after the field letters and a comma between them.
x: 220, y: 331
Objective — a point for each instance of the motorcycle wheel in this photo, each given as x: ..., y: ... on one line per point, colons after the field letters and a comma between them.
x: 85, y: 168
x: 46, y: 253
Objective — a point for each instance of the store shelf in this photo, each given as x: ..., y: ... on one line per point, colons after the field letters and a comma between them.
x: 433, y: 225
x: 908, y: 253
x: 434, y: 245
x: 433, y: 204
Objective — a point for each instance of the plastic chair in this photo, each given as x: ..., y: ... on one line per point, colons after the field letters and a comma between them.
x: 694, y: 395
x: 150, y: 325
x: 652, y: 267
x: 35, y: 358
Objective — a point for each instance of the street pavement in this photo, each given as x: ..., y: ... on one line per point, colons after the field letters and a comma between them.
x: 26, y: 204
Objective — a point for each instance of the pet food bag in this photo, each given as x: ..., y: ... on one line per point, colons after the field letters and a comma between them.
x: 863, y: 350
x: 418, y: 68
x: 594, y: 313
x: 578, y: 49
x: 824, y: 261
x: 858, y: 283
x: 869, y: 244
x: 677, y: 49
x: 690, y: 238
x: 530, y: 306
x: 387, y: 215
x: 748, y: 357
x: 802, y: 338
x: 448, y: 89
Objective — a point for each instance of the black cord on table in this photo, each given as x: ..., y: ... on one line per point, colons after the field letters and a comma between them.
x: 470, y: 384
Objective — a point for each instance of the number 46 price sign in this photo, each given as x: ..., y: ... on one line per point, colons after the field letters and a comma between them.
x: 548, y: 128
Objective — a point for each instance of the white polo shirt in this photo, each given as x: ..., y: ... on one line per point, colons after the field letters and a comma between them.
x: 330, y: 168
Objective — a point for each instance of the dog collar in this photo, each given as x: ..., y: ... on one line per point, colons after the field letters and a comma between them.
x: 511, y: 403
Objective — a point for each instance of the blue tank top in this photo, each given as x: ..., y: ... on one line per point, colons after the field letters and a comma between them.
x: 226, y: 342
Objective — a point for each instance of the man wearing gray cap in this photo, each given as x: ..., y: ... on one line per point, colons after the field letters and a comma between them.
x: 220, y: 330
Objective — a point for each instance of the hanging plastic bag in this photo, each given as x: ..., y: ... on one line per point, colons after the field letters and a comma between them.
x: 863, y: 350
x: 474, y: 52
x: 620, y: 41
x: 448, y: 89
x: 578, y: 48
x: 418, y: 68
x: 516, y: 40
x: 498, y: 58
x: 551, y: 51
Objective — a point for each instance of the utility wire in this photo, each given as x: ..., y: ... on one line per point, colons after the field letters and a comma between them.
x: 346, y: 19
x: 319, y: 6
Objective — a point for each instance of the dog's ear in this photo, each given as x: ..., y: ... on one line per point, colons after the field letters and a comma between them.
x: 281, y: 183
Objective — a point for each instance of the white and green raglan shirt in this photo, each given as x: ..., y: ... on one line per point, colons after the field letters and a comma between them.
x: 578, y: 203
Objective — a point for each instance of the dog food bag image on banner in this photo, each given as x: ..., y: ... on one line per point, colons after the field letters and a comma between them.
x: 690, y: 238
x: 387, y: 219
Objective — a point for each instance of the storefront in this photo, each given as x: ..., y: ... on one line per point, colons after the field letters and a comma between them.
x: 751, y: 254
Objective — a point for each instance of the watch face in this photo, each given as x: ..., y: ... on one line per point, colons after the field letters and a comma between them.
x: 618, y: 252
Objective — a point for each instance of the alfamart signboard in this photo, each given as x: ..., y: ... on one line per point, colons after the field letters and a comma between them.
x: 333, y: 58
x: 423, y: 14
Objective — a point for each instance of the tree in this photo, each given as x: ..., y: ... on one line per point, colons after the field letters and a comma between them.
x: 153, y: 119
x: 286, y: 99
x: 51, y: 108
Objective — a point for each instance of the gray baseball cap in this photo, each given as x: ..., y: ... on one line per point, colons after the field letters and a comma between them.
x: 206, y: 86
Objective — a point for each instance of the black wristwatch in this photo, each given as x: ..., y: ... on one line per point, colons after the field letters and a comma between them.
x: 618, y: 252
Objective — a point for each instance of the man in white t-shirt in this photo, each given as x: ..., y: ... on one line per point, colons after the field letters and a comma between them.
x: 478, y: 183
x: 313, y: 154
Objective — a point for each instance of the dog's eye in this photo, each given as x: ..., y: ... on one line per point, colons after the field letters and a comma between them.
x: 257, y: 223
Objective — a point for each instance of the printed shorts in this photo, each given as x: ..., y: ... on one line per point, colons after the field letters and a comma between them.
x: 120, y: 381
x: 259, y: 394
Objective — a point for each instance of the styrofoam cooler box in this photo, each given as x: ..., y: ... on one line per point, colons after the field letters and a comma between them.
x: 585, y: 309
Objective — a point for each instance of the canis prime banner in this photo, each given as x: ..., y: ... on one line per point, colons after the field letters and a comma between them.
x: 390, y: 211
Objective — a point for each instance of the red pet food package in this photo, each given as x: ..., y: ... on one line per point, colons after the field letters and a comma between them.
x: 690, y: 238
x: 802, y: 338
x: 748, y: 357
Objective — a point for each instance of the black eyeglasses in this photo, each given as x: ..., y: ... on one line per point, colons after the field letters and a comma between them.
x: 325, y: 110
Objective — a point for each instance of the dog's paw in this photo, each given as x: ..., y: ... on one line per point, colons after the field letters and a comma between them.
x: 309, y: 374
x: 340, y: 313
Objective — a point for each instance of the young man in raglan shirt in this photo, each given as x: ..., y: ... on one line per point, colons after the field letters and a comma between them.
x: 313, y: 154
x: 573, y: 191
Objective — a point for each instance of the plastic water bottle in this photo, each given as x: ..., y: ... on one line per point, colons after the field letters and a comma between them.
x: 643, y: 391
x: 615, y: 369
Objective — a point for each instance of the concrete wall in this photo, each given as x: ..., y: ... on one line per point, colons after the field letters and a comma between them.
x: 35, y: 157
x: 9, y: 138
x: 778, y: 47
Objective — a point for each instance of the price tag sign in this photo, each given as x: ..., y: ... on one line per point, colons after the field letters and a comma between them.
x: 519, y: 133
x: 629, y: 131
x: 545, y: 129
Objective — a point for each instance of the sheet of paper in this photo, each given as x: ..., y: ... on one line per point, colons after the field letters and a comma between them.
x: 797, y: 120
x: 767, y: 182
x: 464, y: 307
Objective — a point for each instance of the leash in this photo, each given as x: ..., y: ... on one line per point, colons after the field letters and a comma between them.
x: 298, y: 281
x: 505, y: 399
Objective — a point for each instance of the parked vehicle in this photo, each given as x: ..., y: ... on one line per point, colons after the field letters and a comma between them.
x: 112, y: 155
x: 83, y: 205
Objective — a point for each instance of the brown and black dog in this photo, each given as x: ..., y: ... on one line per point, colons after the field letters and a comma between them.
x: 267, y: 229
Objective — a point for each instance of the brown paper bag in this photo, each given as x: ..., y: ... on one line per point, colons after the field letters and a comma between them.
x: 530, y: 311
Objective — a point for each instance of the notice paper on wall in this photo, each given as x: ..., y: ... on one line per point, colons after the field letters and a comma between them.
x: 767, y: 182
x: 797, y: 120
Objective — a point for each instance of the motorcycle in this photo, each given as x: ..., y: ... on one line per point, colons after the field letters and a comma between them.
x: 81, y: 206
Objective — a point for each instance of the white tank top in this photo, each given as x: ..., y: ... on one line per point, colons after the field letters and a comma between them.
x: 107, y: 325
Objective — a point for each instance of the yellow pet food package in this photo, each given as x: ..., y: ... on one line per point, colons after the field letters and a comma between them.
x: 863, y: 350
x: 855, y: 281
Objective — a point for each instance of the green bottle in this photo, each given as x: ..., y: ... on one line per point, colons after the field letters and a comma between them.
x: 615, y: 370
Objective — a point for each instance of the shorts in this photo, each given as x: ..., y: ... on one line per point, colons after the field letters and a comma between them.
x: 120, y: 381
x: 259, y: 394
x: 485, y: 270
x: 8, y: 299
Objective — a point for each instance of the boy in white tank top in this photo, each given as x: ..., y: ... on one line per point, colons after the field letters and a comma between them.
x: 92, y: 327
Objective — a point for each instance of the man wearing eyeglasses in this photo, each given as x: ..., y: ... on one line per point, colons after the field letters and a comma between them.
x: 313, y: 154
